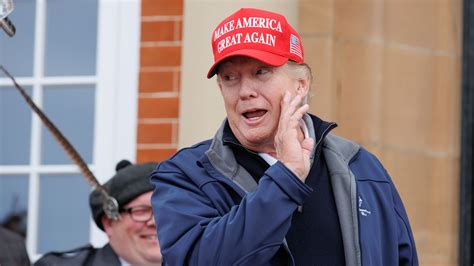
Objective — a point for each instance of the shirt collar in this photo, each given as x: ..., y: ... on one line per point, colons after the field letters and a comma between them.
x: 123, y: 262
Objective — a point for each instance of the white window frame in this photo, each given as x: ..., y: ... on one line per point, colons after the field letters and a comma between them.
x: 116, y: 80
x: 118, y: 67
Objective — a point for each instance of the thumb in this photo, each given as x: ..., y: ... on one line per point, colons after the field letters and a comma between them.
x: 307, y: 146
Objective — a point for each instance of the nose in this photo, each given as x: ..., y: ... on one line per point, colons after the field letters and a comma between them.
x: 151, y: 222
x: 248, y: 88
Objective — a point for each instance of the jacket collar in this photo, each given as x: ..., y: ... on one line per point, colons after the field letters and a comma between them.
x: 317, y: 129
x: 338, y: 153
x: 223, y: 160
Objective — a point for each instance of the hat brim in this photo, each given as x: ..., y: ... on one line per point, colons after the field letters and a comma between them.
x: 266, y: 57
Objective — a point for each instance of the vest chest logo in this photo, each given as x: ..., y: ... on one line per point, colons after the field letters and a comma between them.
x: 363, y: 208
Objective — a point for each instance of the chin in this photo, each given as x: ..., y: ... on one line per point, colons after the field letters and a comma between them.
x: 256, y: 142
x: 257, y: 135
x: 254, y: 136
x: 155, y: 258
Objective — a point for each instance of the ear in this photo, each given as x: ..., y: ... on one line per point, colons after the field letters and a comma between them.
x: 303, y: 87
x: 107, y: 224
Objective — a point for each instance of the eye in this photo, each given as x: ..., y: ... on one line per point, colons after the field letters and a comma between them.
x: 229, y: 77
x: 262, y: 71
x: 140, y: 211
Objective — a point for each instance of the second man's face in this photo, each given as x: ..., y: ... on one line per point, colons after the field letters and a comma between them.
x: 136, y: 242
x: 252, y: 93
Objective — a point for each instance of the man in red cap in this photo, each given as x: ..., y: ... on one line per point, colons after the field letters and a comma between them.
x: 274, y: 186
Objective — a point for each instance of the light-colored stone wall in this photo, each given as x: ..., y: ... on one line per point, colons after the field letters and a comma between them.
x: 388, y: 72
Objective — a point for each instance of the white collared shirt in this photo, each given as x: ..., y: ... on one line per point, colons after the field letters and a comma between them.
x: 124, y: 262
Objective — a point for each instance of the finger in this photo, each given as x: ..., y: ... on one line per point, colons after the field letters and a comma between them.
x: 307, y: 144
x: 290, y: 120
x: 285, y: 103
x: 299, y: 113
x: 294, y: 104
x: 296, y: 101
x: 289, y: 105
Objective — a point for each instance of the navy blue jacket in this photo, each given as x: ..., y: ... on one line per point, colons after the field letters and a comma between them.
x: 210, y: 211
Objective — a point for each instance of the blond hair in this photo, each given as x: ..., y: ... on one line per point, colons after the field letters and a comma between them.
x: 301, y: 72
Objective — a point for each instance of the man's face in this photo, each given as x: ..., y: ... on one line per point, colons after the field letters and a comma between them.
x: 135, y: 242
x: 252, y: 93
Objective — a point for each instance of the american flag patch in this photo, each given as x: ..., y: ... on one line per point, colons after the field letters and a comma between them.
x: 295, y: 47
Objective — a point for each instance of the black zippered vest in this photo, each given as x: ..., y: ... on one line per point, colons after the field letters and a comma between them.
x: 314, y: 237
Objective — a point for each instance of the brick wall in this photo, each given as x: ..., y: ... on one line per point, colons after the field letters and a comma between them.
x: 159, y: 86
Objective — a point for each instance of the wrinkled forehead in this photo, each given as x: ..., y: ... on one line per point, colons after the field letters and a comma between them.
x: 238, y: 60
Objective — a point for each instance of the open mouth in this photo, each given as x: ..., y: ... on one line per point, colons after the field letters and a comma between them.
x: 254, y: 114
x: 149, y: 237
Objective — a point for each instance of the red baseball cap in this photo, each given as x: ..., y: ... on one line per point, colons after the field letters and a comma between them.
x: 256, y: 33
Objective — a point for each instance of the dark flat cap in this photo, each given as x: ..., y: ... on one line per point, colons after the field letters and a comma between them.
x: 130, y: 181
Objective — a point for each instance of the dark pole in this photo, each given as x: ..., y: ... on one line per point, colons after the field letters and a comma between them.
x: 467, y: 138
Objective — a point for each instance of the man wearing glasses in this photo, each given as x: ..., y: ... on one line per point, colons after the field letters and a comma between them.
x: 132, y: 238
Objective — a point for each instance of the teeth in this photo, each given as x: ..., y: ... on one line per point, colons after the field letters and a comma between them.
x: 254, y: 115
x: 151, y: 237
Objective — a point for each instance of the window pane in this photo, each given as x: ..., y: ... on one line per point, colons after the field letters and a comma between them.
x: 71, y: 36
x: 16, y: 53
x: 15, y: 125
x: 14, y: 202
x: 71, y: 108
x: 64, y: 213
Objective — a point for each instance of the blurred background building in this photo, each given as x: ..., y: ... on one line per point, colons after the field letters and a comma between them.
x: 126, y: 79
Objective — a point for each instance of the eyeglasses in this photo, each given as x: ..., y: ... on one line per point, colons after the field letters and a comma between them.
x: 141, y: 213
